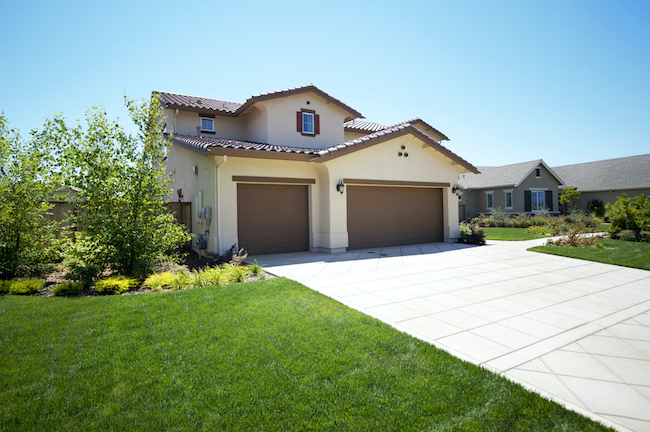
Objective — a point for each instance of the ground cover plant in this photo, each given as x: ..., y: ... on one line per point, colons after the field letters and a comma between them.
x: 267, y: 355
x: 618, y: 252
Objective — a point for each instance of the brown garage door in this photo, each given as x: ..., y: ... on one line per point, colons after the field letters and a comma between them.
x: 393, y: 216
x: 272, y: 218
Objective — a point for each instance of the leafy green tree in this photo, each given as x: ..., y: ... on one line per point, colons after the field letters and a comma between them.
x: 26, y: 182
x: 568, y: 197
x: 121, y: 186
x: 630, y: 215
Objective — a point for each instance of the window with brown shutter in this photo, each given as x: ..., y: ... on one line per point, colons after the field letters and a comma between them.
x: 307, y: 122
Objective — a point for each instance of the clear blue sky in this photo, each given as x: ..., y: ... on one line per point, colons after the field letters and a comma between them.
x: 506, y: 81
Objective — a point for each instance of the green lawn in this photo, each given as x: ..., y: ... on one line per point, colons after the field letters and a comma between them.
x: 268, y: 355
x: 623, y: 253
x: 514, y: 234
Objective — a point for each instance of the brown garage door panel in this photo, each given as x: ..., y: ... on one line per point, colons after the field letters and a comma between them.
x: 272, y: 218
x: 393, y: 216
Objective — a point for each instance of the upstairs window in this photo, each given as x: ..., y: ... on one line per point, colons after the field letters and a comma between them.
x: 207, y: 124
x: 538, y: 172
x: 308, y: 122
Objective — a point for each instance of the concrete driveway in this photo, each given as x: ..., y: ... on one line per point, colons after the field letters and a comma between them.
x: 575, y: 331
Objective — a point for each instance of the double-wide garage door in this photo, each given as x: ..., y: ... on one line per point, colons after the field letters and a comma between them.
x: 272, y: 218
x: 393, y: 216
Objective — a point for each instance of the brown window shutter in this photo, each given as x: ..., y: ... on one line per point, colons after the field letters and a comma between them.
x: 299, y: 121
x: 527, y: 204
x: 316, y: 124
x: 549, y: 200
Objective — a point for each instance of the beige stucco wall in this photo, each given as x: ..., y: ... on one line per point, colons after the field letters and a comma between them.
x: 350, y: 135
x: 381, y: 162
x: 327, y: 207
x: 186, y: 122
x: 281, y: 120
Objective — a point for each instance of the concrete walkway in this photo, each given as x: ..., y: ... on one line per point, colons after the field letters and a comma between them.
x: 575, y: 331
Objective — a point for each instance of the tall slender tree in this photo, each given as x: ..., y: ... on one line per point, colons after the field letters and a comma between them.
x: 121, y: 186
x: 27, y: 180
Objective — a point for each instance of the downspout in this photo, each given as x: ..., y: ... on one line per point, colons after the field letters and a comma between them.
x: 175, y: 122
x: 218, y: 202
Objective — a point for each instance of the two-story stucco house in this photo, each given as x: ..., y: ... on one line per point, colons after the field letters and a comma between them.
x: 296, y: 170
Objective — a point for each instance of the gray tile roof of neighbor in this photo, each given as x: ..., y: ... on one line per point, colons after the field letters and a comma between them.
x: 621, y: 173
x: 507, y: 175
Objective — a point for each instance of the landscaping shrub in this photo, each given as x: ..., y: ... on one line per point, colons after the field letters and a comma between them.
x: 596, y: 207
x: 67, y: 288
x: 539, y: 230
x: 236, y: 273
x: 182, y: 280
x: 256, y: 270
x: 160, y: 281
x: 4, y: 286
x: 471, y: 234
x: 82, y: 258
x: 115, y: 285
x: 210, y: 276
x: 630, y: 215
x: 26, y: 286
x: 498, y: 216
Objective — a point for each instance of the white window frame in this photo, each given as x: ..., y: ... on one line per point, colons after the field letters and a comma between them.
x: 211, y: 120
x: 306, y: 115
x: 489, y: 196
x: 506, y: 192
x: 537, y: 193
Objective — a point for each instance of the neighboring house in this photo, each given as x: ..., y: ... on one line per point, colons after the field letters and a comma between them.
x: 527, y: 187
x: 607, y: 180
x: 297, y: 170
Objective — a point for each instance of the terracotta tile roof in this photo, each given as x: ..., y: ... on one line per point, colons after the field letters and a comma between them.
x: 234, y: 108
x: 363, y: 126
x: 389, y: 133
x: 620, y: 173
x: 205, y: 143
x: 427, y: 125
x: 197, y: 102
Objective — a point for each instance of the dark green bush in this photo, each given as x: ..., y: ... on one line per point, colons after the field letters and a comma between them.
x: 115, y: 285
x: 68, y: 288
x: 26, y: 286
x: 471, y: 234
x: 4, y: 286
x: 596, y: 206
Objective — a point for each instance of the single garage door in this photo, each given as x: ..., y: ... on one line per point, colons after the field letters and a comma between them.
x: 272, y: 218
x: 393, y: 216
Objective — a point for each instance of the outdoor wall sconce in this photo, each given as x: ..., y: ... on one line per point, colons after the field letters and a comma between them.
x: 457, y: 190
x: 340, y: 186
x: 180, y: 194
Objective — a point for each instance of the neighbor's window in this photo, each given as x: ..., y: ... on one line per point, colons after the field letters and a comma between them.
x: 537, y: 201
x: 308, y: 123
x: 207, y: 124
x: 488, y: 199
x: 538, y: 172
x: 508, y: 200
